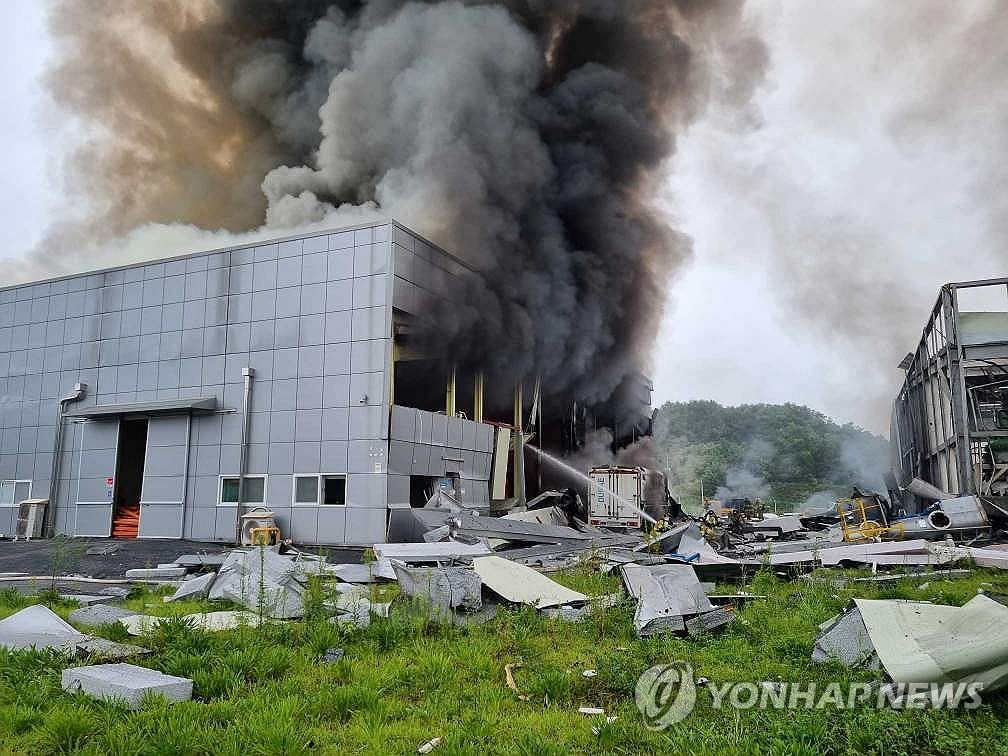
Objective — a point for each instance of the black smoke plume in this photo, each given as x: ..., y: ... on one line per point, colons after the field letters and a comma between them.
x: 525, y: 136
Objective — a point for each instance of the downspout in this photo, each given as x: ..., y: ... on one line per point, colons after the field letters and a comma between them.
x: 185, y: 478
x: 79, y: 392
x: 249, y: 375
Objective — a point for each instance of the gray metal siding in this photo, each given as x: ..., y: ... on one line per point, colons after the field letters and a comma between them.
x: 311, y: 315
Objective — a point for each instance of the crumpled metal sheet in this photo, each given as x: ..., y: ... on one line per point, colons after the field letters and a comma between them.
x: 708, y: 621
x: 444, y: 588
x: 194, y: 588
x: 261, y: 579
x: 932, y: 643
x: 845, y: 639
x: 665, y: 595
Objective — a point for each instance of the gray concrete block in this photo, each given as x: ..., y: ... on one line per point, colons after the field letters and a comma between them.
x: 126, y: 682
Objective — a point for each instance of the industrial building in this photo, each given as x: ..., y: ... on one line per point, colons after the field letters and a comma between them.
x: 950, y: 418
x: 162, y: 399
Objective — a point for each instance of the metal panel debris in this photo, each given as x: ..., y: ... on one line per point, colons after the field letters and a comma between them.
x: 523, y: 585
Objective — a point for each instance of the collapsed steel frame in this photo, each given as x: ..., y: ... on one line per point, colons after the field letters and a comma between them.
x: 951, y: 414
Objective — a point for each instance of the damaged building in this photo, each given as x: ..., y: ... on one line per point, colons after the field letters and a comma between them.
x: 297, y: 375
x: 162, y: 397
x: 950, y: 419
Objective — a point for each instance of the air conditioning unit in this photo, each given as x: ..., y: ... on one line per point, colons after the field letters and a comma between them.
x: 260, y: 520
x: 31, y: 519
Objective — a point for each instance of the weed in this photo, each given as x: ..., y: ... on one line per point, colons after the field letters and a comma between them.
x: 66, y: 729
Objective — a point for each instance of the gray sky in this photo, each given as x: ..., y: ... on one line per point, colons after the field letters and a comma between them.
x: 820, y: 236
x: 25, y: 183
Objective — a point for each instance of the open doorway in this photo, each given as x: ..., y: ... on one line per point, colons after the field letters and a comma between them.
x: 130, y: 458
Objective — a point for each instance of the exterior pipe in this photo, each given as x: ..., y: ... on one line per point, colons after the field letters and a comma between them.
x: 79, y: 392
x: 249, y: 375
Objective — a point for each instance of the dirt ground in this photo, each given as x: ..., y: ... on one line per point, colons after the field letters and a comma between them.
x: 67, y: 556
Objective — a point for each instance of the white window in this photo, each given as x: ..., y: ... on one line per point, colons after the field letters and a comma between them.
x: 254, y: 493
x: 327, y: 490
x: 306, y: 489
x: 13, y: 492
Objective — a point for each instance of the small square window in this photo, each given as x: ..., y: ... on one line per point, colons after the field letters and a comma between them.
x: 306, y: 489
x: 334, y: 490
x: 255, y: 490
x: 229, y: 491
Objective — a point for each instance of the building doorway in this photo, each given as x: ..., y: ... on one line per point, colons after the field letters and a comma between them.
x: 130, y: 458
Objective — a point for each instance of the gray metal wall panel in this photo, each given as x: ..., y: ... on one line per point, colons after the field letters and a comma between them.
x: 164, y: 460
x: 168, y: 329
x: 331, y: 525
x: 304, y: 524
x: 160, y: 521
x: 162, y: 489
x: 224, y: 527
x: 367, y: 490
x: 92, y: 520
x: 365, y: 526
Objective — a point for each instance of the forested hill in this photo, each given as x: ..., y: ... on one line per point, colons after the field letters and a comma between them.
x: 781, y: 449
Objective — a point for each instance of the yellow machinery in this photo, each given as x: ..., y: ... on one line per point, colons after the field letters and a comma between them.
x: 863, y: 517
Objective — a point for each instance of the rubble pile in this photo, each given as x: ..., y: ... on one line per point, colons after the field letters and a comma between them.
x: 456, y: 567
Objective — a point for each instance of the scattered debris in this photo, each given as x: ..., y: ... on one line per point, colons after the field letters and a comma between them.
x: 139, y: 624
x: 353, y: 607
x: 355, y: 573
x: 156, y: 573
x: 509, y: 679
x: 443, y: 588
x: 39, y: 627
x: 194, y: 588
x: 104, y: 550
x: 665, y: 595
x: 85, y: 599
x: 125, y: 682
x: 443, y: 551
x: 263, y: 581
x: 333, y: 655
x: 115, y: 592
x: 429, y: 746
x: 591, y: 711
x: 201, y: 560
x: 916, y: 641
x: 708, y: 621
x: 99, y: 614
x: 523, y: 585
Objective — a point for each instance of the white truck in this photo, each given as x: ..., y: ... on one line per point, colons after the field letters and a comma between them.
x: 619, y: 493
x: 621, y: 510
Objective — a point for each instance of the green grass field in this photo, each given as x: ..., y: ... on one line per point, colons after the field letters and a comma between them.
x: 405, y: 681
